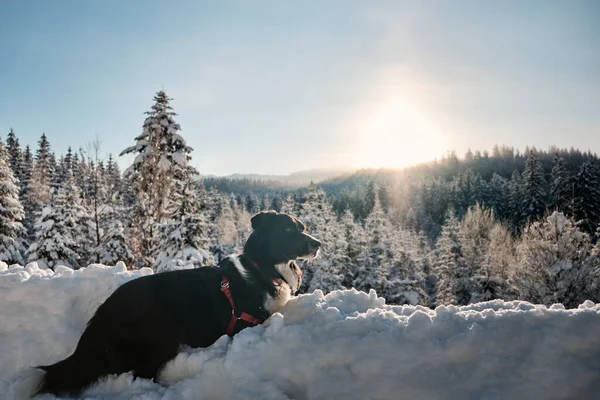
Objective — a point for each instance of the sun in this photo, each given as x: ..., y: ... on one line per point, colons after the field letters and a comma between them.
x: 394, y: 133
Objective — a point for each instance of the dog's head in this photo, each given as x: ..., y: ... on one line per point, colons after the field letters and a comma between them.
x: 280, y: 238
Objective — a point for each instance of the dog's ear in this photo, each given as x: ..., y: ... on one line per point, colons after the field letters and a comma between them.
x: 259, y: 220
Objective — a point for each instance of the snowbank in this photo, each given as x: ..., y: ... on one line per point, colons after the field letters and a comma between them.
x: 347, y: 345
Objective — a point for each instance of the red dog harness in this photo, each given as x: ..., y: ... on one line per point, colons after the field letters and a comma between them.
x: 234, y: 317
x: 243, y: 316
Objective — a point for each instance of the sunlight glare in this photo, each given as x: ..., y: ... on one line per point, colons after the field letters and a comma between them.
x: 396, y: 134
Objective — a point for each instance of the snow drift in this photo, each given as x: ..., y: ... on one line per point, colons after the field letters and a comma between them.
x: 347, y: 344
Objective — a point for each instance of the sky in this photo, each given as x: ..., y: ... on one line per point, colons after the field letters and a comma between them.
x: 275, y: 87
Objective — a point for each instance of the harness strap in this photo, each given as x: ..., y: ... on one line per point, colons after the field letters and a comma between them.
x: 235, y: 318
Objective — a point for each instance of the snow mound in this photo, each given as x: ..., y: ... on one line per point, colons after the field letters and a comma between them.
x: 346, y: 345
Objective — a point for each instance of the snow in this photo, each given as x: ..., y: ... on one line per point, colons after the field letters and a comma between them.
x: 346, y: 345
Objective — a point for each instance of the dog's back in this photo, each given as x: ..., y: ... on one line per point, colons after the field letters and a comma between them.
x: 141, y: 326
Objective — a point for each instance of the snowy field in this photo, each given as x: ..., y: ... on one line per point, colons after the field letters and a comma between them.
x: 346, y: 345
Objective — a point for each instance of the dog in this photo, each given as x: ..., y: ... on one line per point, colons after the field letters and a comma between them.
x: 143, y: 324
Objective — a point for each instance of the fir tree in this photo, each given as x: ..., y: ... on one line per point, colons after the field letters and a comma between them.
x: 12, y: 232
x: 161, y: 161
x: 61, y: 229
x: 15, y: 155
x: 320, y: 220
x: 562, y: 186
x: 29, y: 205
x: 376, y: 258
x: 183, y: 240
x: 453, y: 285
x: 586, y: 206
x: 534, y: 201
x: 554, y: 257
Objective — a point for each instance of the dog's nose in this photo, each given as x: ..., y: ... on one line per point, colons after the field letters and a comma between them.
x: 314, y: 245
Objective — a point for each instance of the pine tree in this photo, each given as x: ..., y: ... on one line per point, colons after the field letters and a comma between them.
x: 320, y: 220
x: 15, y: 155
x: 113, y: 246
x: 562, y: 186
x: 354, y: 236
x: 534, y: 201
x: 61, y: 230
x: 162, y: 157
x: 43, y: 171
x: 183, y: 240
x: 29, y: 205
x: 586, y: 206
x: 554, y: 257
x: 453, y: 285
x: 376, y: 258
x: 12, y: 232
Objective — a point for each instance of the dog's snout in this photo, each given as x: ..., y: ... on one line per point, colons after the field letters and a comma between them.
x: 314, y: 244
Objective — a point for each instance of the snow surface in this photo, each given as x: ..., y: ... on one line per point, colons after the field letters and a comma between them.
x: 346, y: 345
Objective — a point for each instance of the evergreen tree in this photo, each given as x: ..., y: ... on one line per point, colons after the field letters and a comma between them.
x: 354, y: 236
x: 15, y: 155
x: 453, y: 285
x: 554, y: 256
x: 562, y: 186
x: 29, y: 205
x: 534, y: 201
x: 162, y: 159
x: 376, y: 258
x: 60, y: 231
x: 320, y: 220
x: 12, y: 232
x: 586, y: 206
x: 183, y: 240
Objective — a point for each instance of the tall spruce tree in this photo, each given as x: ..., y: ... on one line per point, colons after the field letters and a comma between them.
x: 161, y: 158
x: 534, y: 183
x: 184, y: 240
x: 15, y: 154
x: 453, y: 285
x: 61, y: 230
x: 12, y: 232
x: 561, y: 189
x: 586, y: 205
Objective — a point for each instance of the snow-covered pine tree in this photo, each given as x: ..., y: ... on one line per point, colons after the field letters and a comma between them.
x: 355, y: 238
x: 226, y: 234
x: 15, y: 154
x: 377, y: 256
x: 553, y: 259
x: 60, y: 231
x: 112, y: 176
x: 184, y: 240
x: 288, y: 205
x: 534, y: 183
x: 515, y: 203
x: 320, y: 220
x: 161, y: 157
x: 476, y: 240
x: 12, y: 232
x: 29, y: 206
x: 41, y: 177
x: 113, y: 244
x: 562, y: 186
x: 243, y: 227
x: 452, y: 283
x: 586, y: 205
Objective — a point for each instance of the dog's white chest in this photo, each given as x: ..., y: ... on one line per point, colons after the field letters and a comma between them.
x: 274, y: 304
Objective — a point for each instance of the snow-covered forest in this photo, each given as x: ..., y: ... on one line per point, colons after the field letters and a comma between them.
x: 458, y: 231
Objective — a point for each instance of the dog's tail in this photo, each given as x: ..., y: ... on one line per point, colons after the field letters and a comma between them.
x: 66, y: 377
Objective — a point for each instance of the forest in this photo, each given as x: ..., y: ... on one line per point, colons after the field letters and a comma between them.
x: 458, y: 230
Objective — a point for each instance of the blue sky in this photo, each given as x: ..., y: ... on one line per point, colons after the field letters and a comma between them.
x: 281, y: 86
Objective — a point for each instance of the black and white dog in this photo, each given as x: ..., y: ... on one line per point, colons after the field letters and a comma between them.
x: 143, y: 324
